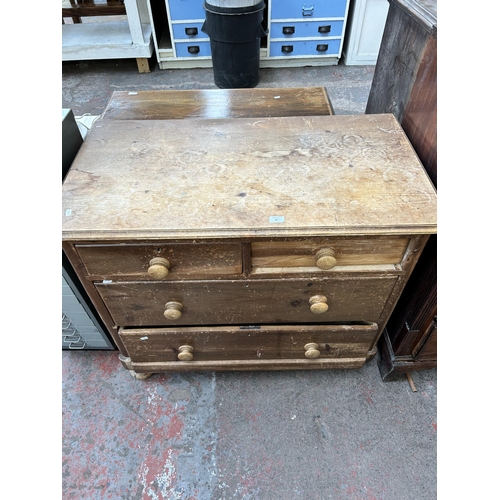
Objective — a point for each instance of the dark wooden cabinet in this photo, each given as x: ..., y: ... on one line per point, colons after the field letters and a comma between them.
x: 405, y: 84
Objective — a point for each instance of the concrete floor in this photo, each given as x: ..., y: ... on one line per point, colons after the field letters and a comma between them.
x: 339, y: 434
x: 87, y: 86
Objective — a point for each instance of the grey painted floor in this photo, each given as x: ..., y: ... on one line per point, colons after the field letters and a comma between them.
x: 340, y: 434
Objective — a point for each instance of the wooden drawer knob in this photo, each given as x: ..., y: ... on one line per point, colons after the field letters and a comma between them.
x: 173, y: 310
x: 325, y: 258
x: 312, y: 350
x: 318, y: 304
x: 185, y: 353
x: 158, y: 268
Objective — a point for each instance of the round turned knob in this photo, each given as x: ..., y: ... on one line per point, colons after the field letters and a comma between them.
x: 312, y: 350
x: 185, y: 353
x: 173, y: 310
x: 325, y: 258
x: 318, y: 304
x: 158, y: 267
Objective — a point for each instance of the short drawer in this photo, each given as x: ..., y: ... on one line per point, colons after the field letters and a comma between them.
x: 240, y: 302
x: 306, y: 29
x: 296, y: 9
x: 188, y: 31
x: 194, y: 48
x: 266, y: 342
x: 180, y: 260
x: 295, y: 48
x: 186, y: 9
x: 351, y: 254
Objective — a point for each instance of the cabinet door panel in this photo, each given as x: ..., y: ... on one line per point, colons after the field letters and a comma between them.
x: 186, y: 9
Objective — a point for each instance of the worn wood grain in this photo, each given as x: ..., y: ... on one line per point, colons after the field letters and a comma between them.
x: 129, y: 261
x: 325, y: 175
x: 268, y: 342
x: 420, y: 117
x: 246, y: 365
x: 353, y: 251
x: 217, y: 103
x: 246, y: 302
x: 93, y: 8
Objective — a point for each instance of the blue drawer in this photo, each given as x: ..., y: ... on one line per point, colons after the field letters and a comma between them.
x: 294, y: 48
x: 193, y: 49
x: 185, y: 31
x: 186, y: 9
x: 306, y: 29
x: 298, y: 9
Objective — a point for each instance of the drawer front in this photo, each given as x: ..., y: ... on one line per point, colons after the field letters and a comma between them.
x: 305, y: 29
x: 243, y: 302
x: 186, y: 9
x: 193, y: 49
x: 188, y: 31
x: 132, y: 262
x: 297, y: 9
x: 346, y: 254
x: 233, y: 343
x: 294, y: 48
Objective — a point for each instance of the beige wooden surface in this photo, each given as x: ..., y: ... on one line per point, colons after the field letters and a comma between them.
x: 325, y: 175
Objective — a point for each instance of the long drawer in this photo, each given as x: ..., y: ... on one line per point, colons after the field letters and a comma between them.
x: 225, y: 302
x: 266, y: 342
x: 296, y: 48
x: 300, y: 29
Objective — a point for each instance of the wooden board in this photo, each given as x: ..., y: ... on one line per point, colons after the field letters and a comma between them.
x: 221, y: 302
x: 333, y: 175
x: 217, y: 103
x: 258, y: 343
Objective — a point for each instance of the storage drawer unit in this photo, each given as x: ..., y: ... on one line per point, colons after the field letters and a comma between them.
x: 311, y: 33
x: 276, y: 243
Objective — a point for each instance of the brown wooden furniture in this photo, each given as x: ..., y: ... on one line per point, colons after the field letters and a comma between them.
x: 217, y: 103
x: 405, y: 84
x: 248, y: 243
x: 76, y: 9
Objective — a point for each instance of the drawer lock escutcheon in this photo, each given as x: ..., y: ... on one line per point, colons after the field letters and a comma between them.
x: 158, y: 267
x: 185, y: 353
x: 173, y: 310
x: 312, y: 350
x: 325, y: 259
x: 318, y: 304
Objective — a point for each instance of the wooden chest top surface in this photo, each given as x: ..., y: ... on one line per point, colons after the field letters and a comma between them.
x: 218, y: 103
x: 286, y: 176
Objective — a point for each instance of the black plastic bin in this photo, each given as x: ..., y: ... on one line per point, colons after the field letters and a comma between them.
x: 235, y: 34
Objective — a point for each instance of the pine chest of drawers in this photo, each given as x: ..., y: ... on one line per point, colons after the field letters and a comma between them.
x: 242, y: 244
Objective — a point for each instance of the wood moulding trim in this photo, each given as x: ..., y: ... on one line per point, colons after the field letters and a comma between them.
x: 183, y: 234
x: 244, y: 365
